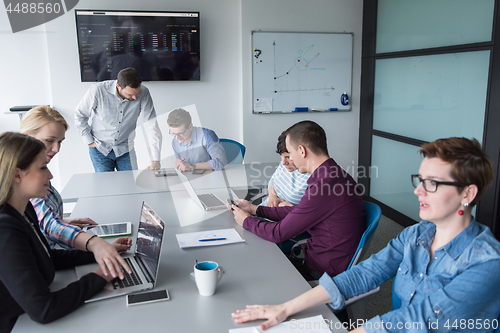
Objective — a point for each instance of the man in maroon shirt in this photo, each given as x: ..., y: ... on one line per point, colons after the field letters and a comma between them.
x: 331, y: 209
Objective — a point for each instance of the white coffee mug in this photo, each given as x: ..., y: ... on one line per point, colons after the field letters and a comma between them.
x: 207, y: 274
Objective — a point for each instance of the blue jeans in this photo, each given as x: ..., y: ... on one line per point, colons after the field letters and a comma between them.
x: 111, y: 162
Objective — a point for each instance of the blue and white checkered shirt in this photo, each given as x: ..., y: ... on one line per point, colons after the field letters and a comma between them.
x: 49, y: 211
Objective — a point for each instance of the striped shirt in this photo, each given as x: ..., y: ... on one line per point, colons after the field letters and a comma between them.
x: 289, y: 186
x: 49, y: 211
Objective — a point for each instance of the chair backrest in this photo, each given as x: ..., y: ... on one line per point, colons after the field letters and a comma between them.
x: 373, y: 213
x: 396, y: 301
x: 235, y: 151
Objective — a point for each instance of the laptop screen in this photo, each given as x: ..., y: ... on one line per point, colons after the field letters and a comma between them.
x: 149, y: 238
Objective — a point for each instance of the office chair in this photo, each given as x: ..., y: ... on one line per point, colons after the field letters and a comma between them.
x: 373, y: 214
x: 396, y: 301
x: 235, y: 151
x: 355, y: 308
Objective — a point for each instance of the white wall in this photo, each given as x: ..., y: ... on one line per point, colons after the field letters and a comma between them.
x: 260, y: 131
x: 216, y: 95
x: 24, y: 75
x: 43, y: 68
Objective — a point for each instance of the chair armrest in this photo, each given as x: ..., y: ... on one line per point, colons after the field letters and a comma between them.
x: 351, y: 300
x: 257, y: 197
x: 362, y: 296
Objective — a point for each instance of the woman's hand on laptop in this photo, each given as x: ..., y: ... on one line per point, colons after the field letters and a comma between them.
x: 107, y: 256
x: 101, y: 274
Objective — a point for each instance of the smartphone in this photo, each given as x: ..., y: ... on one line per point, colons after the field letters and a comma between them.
x: 198, y: 171
x: 110, y: 230
x: 148, y: 297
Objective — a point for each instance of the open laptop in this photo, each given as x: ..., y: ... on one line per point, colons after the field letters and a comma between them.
x: 206, y: 201
x: 144, y: 262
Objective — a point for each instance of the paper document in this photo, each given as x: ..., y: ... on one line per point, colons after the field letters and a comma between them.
x: 316, y: 324
x: 209, y: 238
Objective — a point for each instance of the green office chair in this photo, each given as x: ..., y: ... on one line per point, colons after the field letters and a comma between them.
x: 235, y: 151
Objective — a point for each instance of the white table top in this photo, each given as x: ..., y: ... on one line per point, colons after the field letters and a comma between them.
x: 255, y: 175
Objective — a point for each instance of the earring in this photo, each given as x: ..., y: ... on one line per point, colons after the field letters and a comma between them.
x: 461, y: 211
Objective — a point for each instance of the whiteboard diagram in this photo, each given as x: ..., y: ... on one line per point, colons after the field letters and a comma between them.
x: 295, y: 72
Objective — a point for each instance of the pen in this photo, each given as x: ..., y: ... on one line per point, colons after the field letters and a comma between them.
x: 211, y: 239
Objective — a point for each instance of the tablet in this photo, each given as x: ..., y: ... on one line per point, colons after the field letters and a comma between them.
x: 110, y: 230
x: 165, y: 172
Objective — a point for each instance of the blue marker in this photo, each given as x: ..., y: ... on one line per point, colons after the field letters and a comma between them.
x: 211, y: 239
x: 333, y: 109
x: 302, y: 109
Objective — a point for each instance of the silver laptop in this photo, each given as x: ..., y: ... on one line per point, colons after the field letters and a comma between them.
x: 206, y: 201
x: 144, y: 262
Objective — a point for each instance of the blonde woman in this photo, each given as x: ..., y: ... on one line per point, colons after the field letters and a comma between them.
x: 27, y: 263
x: 48, y: 126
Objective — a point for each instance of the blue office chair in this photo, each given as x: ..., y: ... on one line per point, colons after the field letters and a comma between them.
x: 396, y: 301
x: 355, y: 308
x: 235, y: 151
x: 373, y: 214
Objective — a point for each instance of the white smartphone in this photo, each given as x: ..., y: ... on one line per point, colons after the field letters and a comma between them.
x: 165, y: 172
x: 148, y: 297
x: 110, y: 230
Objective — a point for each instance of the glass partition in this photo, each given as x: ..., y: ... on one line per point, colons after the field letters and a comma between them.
x: 431, y: 97
x: 410, y: 25
x: 392, y: 164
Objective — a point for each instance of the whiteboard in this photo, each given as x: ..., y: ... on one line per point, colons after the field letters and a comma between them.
x: 295, y: 72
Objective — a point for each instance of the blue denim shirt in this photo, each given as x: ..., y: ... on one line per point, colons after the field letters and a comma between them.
x: 456, y: 290
x: 203, y: 147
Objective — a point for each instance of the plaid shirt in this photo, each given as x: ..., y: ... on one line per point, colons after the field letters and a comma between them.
x: 49, y: 211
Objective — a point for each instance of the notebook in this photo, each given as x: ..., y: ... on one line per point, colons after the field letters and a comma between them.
x: 144, y: 262
x: 206, y: 201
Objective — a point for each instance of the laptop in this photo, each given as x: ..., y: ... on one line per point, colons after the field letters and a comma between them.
x: 144, y: 262
x: 206, y: 201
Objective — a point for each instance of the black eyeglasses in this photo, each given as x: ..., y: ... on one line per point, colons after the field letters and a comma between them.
x: 430, y: 185
x: 177, y: 134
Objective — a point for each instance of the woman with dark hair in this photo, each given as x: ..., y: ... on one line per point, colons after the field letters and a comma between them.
x: 27, y: 263
x: 446, y: 267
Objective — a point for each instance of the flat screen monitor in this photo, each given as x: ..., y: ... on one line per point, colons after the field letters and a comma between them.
x: 161, y: 46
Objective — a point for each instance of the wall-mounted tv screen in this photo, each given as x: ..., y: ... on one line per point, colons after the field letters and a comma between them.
x: 161, y: 46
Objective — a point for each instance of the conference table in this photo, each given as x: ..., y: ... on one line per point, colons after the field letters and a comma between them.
x: 255, y: 272
x: 240, y: 177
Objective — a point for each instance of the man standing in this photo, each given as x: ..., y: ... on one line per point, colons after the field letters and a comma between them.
x: 331, y: 209
x: 113, y: 107
x: 194, y: 147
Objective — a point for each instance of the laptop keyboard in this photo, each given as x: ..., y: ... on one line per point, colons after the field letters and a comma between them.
x: 210, y: 200
x: 129, y: 279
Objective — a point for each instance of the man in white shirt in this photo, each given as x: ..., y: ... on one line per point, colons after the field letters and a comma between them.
x: 287, y: 185
x: 113, y: 107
